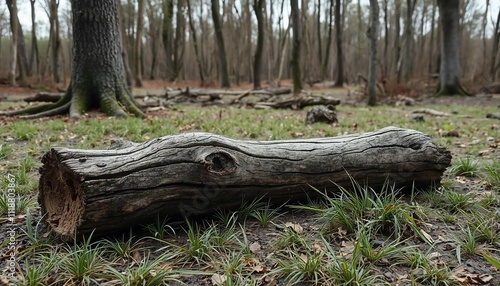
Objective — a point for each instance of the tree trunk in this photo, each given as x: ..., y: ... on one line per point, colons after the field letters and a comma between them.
x: 56, y: 40
x: 494, y: 52
x: 195, y: 43
x: 138, y: 44
x: 35, y: 54
x: 102, y: 191
x: 328, y: 41
x: 431, y: 44
x: 297, y: 40
x: 449, y: 76
x: 408, y: 39
x: 386, y: 40
x: 258, y: 5
x: 97, y: 79
x: 340, y: 57
x: 123, y: 38
x: 372, y: 65
x: 220, y: 44
x: 12, y: 6
x: 179, y: 41
x: 397, y: 40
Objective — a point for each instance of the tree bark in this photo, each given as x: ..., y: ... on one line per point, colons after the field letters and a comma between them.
x: 258, y: 5
x: 372, y: 65
x: 397, y: 40
x: 431, y: 44
x: 410, y: 5
x: 340, y: 57
x: 123, y: 38
x: 297, y: 41
x: 449, y: 76
x: 97, y: 79
x: 103, y: 191
x: 220, y: 44
x: 324, y: 64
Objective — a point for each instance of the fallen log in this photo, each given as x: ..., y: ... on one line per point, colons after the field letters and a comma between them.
x: 82, y: 191
x: 45, y: 97
x: 299, y: 103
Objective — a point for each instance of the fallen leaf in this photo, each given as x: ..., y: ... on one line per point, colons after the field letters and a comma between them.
x: 255, y: 247
x: 427, y: 236
x: 218, y: 279
x: 295, y: 227
x: 317, y: 248
x: 464, y: 277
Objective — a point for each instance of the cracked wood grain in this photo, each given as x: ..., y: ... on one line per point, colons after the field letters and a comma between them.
x: 81, y: 191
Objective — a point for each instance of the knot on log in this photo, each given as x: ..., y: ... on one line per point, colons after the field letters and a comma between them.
x: 221, y: 163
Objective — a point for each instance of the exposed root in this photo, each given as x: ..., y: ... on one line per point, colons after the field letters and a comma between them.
x: 51, y: 112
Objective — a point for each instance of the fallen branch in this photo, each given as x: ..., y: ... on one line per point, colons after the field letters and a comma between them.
x: 45, y: 97
x: 102, y: 191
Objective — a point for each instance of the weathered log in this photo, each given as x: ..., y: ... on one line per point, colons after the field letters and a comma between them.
x: 81, y: 191
x: 299, y: 103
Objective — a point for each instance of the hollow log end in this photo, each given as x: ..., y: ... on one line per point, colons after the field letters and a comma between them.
x: 60, y: 197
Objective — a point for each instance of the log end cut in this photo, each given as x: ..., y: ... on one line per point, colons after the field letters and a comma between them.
x: 60, y: 197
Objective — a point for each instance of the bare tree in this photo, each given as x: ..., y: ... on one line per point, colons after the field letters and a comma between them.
x: 258, y: 5
x: 328, y: 40
x: 397, y: 39
x: 410, y: 6
x: 14, y: 23
x: 431, y: 44
x: 297, y: 40
x: 195, y: 43
x: 35, y: 55
x: 220, y: 44
x: 55, y: 39
x: 449, y: 76
x: 138, y: 44
x: 338, y: 36
x: 494, y: 66
x: 372, y: 65
x: 124, y: 39
x: 97, y: 79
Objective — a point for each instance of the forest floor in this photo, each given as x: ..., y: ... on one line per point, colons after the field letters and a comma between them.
x: 443, y: 236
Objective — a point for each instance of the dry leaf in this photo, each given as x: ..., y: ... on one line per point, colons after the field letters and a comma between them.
x: 427, y: 236
x: 295, y: 227
x: 218, y: 279
x: 317, y: 248
x: 464, y: 277
x: 254, y: 247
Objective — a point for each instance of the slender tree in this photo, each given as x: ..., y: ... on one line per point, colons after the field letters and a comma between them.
x: 14, y: 23
x: 35, y: 54
x: 195, y: 43
x: 372, y: 65
x: 138, y: 44
x: 449, y: 74
x: 220, y: 44
x: 410, y: 5
x: 397, y: 39
x: 258, y: 5
x: 55, y: 39
x: 496, y: 42
x: 338, y: 36
x: 297, y: 40
x: 97, y: 79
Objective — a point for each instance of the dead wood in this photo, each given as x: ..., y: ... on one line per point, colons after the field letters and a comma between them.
x: 82, y: 191
x: 45, y: 97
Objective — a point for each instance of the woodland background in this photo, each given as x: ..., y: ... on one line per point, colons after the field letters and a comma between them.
x: 174, y: 40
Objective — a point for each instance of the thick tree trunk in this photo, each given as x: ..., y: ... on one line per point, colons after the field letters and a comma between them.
x: 220, y: 44
x: 372, y: 65
x: 297, y: 41
x: 97, y: 79
x: 258, y: 5
x: 449, y: 75
x: 102, y: 191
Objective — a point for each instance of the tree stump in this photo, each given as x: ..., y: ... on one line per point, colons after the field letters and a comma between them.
x: 104, y: 191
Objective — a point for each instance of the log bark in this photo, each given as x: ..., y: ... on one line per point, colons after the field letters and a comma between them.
x: 104, y: 191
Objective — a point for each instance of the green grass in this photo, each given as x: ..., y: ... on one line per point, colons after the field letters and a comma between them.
x: 381, y: 226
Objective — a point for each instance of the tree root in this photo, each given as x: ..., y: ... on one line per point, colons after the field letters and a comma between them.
x: 115, y: 102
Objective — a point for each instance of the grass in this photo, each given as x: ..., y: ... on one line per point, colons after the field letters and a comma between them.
x: 353, y: 237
